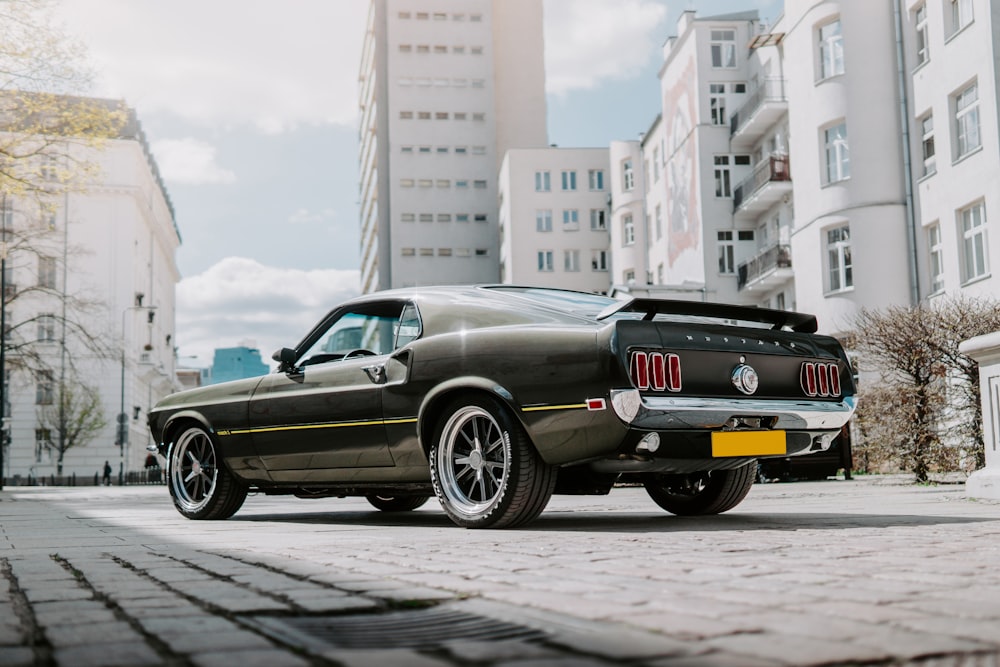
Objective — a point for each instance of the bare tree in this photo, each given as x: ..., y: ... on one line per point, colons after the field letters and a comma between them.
x: 75, y: 418
x: 919, y: 387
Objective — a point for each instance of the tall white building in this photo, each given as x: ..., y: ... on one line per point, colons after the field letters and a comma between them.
x: 841, y: 158
x: 554, y: 218
x: 111, y: 248
x: 447, y: 87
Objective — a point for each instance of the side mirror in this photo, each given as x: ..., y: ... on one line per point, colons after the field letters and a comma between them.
x: 285, y: 358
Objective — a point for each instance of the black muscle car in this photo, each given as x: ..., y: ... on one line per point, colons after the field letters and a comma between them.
x: 492, y: 398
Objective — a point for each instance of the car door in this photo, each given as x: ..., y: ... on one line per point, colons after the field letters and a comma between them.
x: 321, y: 419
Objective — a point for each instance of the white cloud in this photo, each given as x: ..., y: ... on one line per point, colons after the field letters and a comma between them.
x: 190, y: 161
x: 306, y: 216
x: 588, y: 42
x: 238, y: 299
x: 270, y: 65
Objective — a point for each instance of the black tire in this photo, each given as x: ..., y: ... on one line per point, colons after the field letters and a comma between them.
x: 200, y: 484
x: 396, y: 503
x: 710, y: 492
x: 485, y: 470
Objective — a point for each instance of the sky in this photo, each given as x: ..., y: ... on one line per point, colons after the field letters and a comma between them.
x: 251, y: 110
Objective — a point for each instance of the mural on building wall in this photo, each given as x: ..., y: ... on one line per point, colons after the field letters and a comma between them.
x: 682, y: 182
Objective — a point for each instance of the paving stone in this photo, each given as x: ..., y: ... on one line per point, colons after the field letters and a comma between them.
x: 794, y: 650
x: 129, y: 654
x: 194, y: 641
x: 10, y: 632
x: 105, y: 632
x: 16, y: 656
x: 71, y: 612
x: 250, y: 658
x: 507, y: 649
x: 181, y: 625
x: 384, y: 658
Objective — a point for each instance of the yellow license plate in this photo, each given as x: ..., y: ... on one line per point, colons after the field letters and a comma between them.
x: 748, y: 443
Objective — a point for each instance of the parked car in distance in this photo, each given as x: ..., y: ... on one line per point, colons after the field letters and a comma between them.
x: 494, y: 397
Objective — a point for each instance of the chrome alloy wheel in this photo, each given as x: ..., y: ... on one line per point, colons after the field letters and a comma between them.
x: 473, y: 461
x: 194, y: 470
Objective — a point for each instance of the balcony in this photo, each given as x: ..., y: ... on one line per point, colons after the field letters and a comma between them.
x: 770, y: 181
x: 762, y: 109
x: 767, y: 270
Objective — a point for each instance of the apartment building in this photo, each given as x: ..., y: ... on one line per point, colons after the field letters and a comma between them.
x: 838, y: 159
x: 102, y: 264
x: 553, y: 218
x: 950, y: 64
x: 447, y: 87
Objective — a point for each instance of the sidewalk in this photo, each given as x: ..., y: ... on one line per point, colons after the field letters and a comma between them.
x: 871, y: 571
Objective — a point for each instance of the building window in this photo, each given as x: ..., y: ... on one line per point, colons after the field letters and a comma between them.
x: 656, y: 164
x: 407, y: 217
x: 427, y: 252
x: 44, y: 390
x: 831, y: 50
x: 406, y: 115
x: 727, y: 252
x: 658, y: 222
x: 43, y: 445
x: 936, y: 251
x: 479, y: 217
x: 595, y: 178
x: 961, y: 15
x: 975, y: 262
x: 927, y: 144
x: 543, y: 181
x: 599, y: 260
x: 423, y: 48
x: 838, y: 252
x: 920, y: 32
x: 424, y: 150
x: 407, y: 252
x: 571, y: 260
x: 659, y: 273
x: 571, y: 220
x: 723, y: 46
x: 967, y: 120
x: 426, y: 217
x: 628, y: 176
x: 47, y: 272
x: 46, y: 327
x: 628, y: 230
x: 598, y: 220
x: 543, y: 220
x: 444, y: 252
x: 722, y: 176
x: 479, y: 184
x: 405, y: 48
x: 838, y: 157
x: 423, y: 115
x: 569, y: 180
x: 461, y: 217
x: 479, y: 150
x: 717, y: 103
x: 444, y: 217
x: 462, y: 184
x: 482, y: 252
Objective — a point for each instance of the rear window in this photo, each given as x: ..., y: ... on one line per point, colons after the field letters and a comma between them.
x: 579, y: 303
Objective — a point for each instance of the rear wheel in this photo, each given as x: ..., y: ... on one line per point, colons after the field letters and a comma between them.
x: 396, y: 503
x: 200, y: 485
x: 708, y: 492
x: 486, y: 472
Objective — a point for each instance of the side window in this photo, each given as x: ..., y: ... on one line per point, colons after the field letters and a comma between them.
x: 408, y: 329
x: 368, y: 330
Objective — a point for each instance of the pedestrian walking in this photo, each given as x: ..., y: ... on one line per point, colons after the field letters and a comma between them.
x: 107, y: 474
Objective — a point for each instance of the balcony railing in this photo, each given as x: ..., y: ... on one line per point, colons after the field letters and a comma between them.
x: 771, y: 90
x: 774, y: 258
x: 771, y: 169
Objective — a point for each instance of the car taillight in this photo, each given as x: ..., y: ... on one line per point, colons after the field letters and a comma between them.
x: 655, y: 370
x: 820, y: 379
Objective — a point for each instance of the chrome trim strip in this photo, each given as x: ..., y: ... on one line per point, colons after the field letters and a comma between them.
x: 675, y: 412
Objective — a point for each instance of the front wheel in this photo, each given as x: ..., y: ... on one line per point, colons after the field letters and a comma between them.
x: 708, y: 492
x: 396, y: 503
x: 486, y: 472
x: 200, y: 485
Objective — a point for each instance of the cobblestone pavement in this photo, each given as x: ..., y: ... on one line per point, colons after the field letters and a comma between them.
x: 870, y: 571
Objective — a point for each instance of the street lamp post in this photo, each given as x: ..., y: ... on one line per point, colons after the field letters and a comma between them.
x: 3, y: 343
x: 122, y: 421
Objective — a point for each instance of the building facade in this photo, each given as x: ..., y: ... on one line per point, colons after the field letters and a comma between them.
x: 447, y: 87
x: 836, y: 160
x: 553, y: 218
x: 101, y: 265
x: 236, y: 363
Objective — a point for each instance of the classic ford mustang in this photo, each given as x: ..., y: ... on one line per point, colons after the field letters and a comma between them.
x: 494, y: 397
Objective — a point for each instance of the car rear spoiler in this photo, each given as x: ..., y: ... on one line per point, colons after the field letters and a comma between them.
x: 778, y: 319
